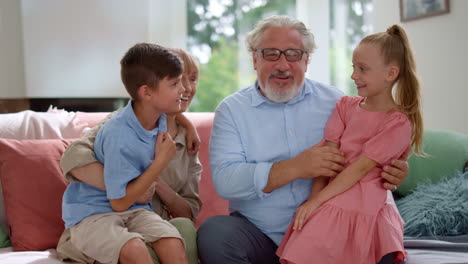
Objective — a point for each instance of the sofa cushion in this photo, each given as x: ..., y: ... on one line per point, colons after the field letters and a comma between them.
x: 33, y: 185
x: 41, y: 125
x: 437, y: 209
x: 448, y: 152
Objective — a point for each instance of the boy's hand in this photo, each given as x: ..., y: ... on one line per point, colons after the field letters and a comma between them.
x: 193, y: 140
x: 303, y: 213
x: 146, y: 197
x: 165, y: 148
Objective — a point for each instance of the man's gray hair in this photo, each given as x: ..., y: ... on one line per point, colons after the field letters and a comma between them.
x: 255, y: 36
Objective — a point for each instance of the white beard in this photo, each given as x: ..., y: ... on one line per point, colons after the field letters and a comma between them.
x: 280, y: 96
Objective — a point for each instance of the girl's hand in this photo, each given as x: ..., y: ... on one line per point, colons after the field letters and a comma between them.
x: 165, y: 148
x: 193, y: 140
x: 303, y: 213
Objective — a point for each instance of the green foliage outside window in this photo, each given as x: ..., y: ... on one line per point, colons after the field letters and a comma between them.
x: 223, y: 34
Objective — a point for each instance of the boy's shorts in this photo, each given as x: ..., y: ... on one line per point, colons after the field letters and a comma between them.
x: 100, y: 237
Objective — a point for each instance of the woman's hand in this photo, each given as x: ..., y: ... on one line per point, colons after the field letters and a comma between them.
x: 146, y: 197
x: 193, y: 140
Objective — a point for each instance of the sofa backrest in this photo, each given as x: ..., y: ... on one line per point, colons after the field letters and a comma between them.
x: 26, y: 232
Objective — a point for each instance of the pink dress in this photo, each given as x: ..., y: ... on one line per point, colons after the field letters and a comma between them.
x: 356, y: 226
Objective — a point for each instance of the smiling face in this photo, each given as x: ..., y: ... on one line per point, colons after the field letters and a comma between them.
x: 370, y: 74
x: 166, y: 97
x: 190, y: 82
x: 280, y: 80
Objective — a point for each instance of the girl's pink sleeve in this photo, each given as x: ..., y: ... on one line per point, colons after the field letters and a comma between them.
x: 391, y: 141
x: 336, y: 123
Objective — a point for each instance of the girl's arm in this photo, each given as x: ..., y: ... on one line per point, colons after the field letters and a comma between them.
x: 193, y: 139
x: 345, y: 180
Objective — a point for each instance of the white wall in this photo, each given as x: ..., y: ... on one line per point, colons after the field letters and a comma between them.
x: 315, y: 15
x: 440, y: 44
x: 73, y: 48
x: 11, y: 51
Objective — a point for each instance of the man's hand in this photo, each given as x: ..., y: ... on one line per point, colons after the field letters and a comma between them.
x: 320, y: 160
x: 395, y: 173
x: 146, y: 197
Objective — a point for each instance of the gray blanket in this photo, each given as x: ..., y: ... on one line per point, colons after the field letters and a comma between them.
x: 427, y: 250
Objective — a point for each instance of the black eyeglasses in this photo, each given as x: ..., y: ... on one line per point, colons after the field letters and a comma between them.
x: 272, y: 54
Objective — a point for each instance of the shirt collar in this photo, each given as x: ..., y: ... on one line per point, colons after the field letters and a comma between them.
x: 146, y: 135
x: 257, y: 98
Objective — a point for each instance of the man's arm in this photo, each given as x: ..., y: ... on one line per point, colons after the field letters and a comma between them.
x: 235, y: 178
x: 319, y: 160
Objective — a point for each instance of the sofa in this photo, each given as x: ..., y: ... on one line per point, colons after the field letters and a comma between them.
x: 31, y: 144
x: 32, y: 184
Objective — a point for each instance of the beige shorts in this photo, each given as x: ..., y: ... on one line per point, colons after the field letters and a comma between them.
x: 100, y: 237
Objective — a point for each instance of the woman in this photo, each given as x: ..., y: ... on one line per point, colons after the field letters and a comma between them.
x: 175, y: 193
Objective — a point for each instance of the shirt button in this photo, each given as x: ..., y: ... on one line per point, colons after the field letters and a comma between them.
x: 290, y: 132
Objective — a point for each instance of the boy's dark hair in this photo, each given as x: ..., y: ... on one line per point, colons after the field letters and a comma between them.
x: 147, y: 64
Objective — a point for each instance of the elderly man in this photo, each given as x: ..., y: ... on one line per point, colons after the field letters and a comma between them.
x: 265, y: 147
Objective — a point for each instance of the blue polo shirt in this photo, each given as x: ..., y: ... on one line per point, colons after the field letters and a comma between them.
x: 249, y: 134
x: 126, y: 149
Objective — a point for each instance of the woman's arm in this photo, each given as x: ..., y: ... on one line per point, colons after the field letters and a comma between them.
x: 92, y: 174
x: 176, y: 205
x: 79, y: 163
x: 192, y: 138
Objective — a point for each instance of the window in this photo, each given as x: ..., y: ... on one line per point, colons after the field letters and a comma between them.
x: 349, y: 23
x: 216, y: 32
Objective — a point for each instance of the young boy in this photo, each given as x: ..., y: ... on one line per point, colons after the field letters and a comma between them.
x: 109, y: 226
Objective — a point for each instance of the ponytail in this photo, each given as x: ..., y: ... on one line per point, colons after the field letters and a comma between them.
x: 396, y: 49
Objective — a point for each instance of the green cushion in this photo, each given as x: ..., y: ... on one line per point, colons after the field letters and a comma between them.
x: 448, y: 152
x: 4, y: 240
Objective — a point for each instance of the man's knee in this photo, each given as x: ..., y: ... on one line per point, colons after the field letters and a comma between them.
x: 215, y: 229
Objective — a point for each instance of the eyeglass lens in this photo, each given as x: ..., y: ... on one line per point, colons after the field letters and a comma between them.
x: 274, y: 54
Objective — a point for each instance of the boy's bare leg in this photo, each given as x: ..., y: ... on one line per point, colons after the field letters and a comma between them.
x: 170, y: 250
x: 134, y: 251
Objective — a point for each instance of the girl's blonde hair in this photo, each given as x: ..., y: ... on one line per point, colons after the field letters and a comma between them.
x: 190, y: 62
x: 395, y: 48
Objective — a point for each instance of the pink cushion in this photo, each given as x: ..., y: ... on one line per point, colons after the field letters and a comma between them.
x: 33, y: 186
x: 89, y: 119
x: 212, y: 203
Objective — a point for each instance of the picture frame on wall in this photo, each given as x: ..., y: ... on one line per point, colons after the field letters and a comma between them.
x: 417, y: 9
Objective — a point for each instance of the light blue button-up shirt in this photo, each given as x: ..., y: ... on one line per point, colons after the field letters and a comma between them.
x: 249, y: 134
x: 126, y: 149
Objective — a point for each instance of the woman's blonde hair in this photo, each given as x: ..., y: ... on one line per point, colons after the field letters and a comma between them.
x: 395, y: 48
x: 190, y: 62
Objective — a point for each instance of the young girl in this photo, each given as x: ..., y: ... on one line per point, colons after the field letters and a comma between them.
x: 348, y: 220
